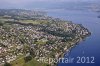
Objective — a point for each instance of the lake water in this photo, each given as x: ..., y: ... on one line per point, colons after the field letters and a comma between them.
x: 91, y: 46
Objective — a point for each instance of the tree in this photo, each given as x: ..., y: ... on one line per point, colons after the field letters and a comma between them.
x: 1, y: 23
x: 27, y: 58
x: 7, y: 64
x: 50, y: 42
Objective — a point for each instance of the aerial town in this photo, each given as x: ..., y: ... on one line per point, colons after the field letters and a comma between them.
x: 27, y: 36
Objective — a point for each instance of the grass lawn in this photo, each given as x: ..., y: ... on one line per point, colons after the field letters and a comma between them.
x: 41, y: 42
x: 34, y: 22
x: 20, y: 62
x: 34, y: 63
